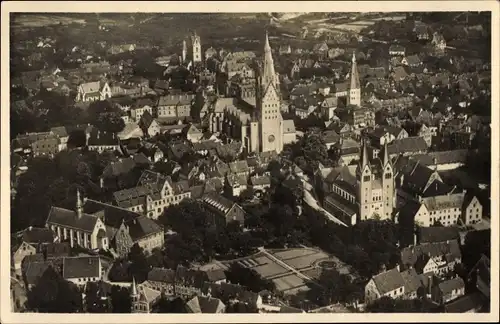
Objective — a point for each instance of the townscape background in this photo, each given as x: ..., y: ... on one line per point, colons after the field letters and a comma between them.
x: 250, y: 163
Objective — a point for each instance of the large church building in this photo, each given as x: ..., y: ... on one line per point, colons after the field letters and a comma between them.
x: 256, y: 121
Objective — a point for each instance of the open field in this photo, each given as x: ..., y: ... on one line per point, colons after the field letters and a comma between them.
x: 40, y: 20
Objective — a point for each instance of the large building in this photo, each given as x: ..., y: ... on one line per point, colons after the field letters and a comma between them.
x: 196, y: 46
x: 256, y: 121
x: 366, y: 190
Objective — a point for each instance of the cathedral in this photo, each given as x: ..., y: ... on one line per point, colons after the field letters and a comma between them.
x: 256, y: 121
x: 375, y: 186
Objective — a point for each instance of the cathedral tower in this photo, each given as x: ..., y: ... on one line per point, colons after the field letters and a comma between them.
x: 271, y: 122
x: 387, y: 185
x: 364, y: 179
x: 196, y: 43
x: 355, y: 87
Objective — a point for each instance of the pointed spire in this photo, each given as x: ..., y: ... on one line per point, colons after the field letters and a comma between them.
x: 79, y: 206
x: 364, y: 156
x: 355, y: 84
x: 133, y: 288
x: 386, y: 154
x: 268, y: 74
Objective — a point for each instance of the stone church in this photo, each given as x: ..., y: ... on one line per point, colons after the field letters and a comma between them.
x: 256, y: 121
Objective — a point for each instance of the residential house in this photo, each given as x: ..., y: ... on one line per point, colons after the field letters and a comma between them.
x: 407, y: 146
x: 393, y: 284
x: 148, y: 124
x: 82, y: 269
x: 447, y: 253
x: 480, y: 276
x: 285, y: 49
x: 175, y: 107
x: 181, y: 282
x: 443, y: 160
x: 397, y: 50
x: 201, y: 304
x: 235, y: 184
x: 260, y: 182
x: 411, y: 61
x: 448, y: 290
x: 438, y: 41
x: 321, y: 48
x: 34, y: 271
x: 289, y: 132
x: 118, y: 49
x: 29, y: 242
x: 93, y: 91
x: 140, y: 107
x: 103, y: 141
x: 45, y: 143
x: 471, y: 303
x: 231, y: 293
x: 421, y: 31
x: 192, y: 133
x: 229, y: 211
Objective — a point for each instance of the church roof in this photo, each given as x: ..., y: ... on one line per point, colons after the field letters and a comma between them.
x: 355, y: 84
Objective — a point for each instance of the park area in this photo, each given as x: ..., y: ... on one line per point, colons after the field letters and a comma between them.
x: 290, y: 269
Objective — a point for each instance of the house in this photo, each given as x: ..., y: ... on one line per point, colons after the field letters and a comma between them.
x: 118, y: 49
x: 320, y: 48
x: 103, y: 141
x: 149, y: 125
x: 181, y: 282
x: 34, y: 271
x: 192, y: 133
x: 411, y: 61
x: 82, y: 269
x: 228, y: 210
x: 421, y: 31
x: 471, y: 303
x: 93, y: 91
x: 443, y: 160
x: 447, y: 253
x: 343, y: 209
x: 438, y: 41
x: 425, y: 132
x: 140, y: 107
x: 285, y: 49
x: 407, y: 146
x: 289, y: 132
x: 29, y: 242
x: 393, y: 284
x: 260, y: 182
x: 175, y: 106
x: 208, y: 304
x: 235, y: 184
x: 480, y: 276
x: 45, y: 143
x: 231, y: 293
x: 448, y: 290
x: 397, y: 50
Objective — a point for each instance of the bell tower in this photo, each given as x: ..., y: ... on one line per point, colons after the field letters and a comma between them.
x: 364, y: 179
x: 196, y: 43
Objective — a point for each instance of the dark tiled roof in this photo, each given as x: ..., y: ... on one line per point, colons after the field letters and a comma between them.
x: 81, y: 267
x: 412, y: 281
x: 214, y: 275
x: 407, y: 145
x: 448, y: 286
x: 57, y: 250
x: 226, y: 291
x: 409, y: 255
x: 465, y: 304
x: 98, y: 138
x: 38, y: 235
x: 69, y: 218
x: 437, y: 234
x: 109, y: 214
x: 142, y: 226
x: 161, y: 275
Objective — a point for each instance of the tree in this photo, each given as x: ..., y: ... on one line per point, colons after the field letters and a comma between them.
x: 175, y: 306
x: 120, y: 300
x: 110, y: 122
x: 53, y: 294
x: 139, y: 267
x: 249, y: 278
x: 93, y: 302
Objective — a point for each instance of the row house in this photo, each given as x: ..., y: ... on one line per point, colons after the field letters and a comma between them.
x: 45, y: 143
x: 175, y: 107
x: 140, y: 107
x: 103, y: 141
x: 438, y: 258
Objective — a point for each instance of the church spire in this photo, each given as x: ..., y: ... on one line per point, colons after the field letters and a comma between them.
x: 364, y: 156
x: 355, y: 84
x: 386, y: 154
x: 268, y: 74
x: 133, y: 288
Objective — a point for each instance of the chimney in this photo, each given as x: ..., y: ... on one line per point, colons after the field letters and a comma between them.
x: 79, y: 205
x: 430, y: 284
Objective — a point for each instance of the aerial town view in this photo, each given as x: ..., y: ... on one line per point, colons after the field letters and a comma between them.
x: 250, y: 162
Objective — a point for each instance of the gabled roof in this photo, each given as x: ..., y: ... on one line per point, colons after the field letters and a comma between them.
x: 448, y: 286
x: 437, y: 234
x: 409, y: 255
x: 81, y: 267
x: 38, y: 235
x: 35, y: 270
x: 411, y: 280
x: 388, y: 281
x: 200, y: 304
x: 407, y: 145
x: 68, y: 218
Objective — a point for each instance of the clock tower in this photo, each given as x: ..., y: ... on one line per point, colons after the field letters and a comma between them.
x: 268, y: 104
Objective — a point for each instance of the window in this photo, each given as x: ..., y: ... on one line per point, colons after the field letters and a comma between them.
x: 366, y: 178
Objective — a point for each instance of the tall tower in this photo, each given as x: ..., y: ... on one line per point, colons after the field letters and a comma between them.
x: 79, y: 204
x: 355, y: 88
x: 184, y: 51
x: 134, y: 294
x: 268, y: 104
x: 196, y: 42
x: 387, y: 185
x: 364, y: 179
